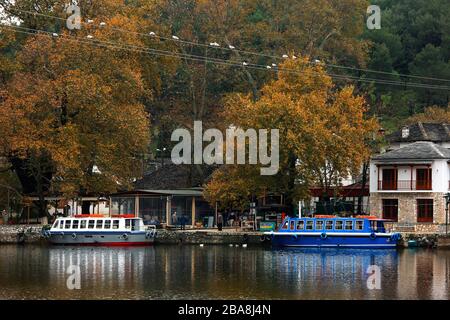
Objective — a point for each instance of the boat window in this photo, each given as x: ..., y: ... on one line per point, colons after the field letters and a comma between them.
x: 348, y: 225
x: 128, y: 223
x: 359, y: 224
x: 56, y: 224
x: 285, y: 226
x: 99, y: 224
x: 91, y: 224
x: 329, y: 225
x: 115, y: 224
x: 309, y: 225
x: 300, y: 225
x: 339, y: 224
x: 75, y: 224
x: 83, y: 224
x: 68, y: 222
x: 319, y: 224
x: 107, y: 224
x: 292, y: 227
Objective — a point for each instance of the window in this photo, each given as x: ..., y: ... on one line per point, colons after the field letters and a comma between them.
x: 359, y: 224
x: 285, y: 226
x: 329, y: 225
x: 56, y: 224
x: 292, y: 226
x: 319, y: 224
x: 348, y: 225
x: 68, y: 222
x: 91, y: 224
x: 83, y: 224
x: 107, y: 224
x: 339, y: 224
x: 389, y: 181
x: 309, y: 225
x: 128, y: 223
x: 115, y: 224
x: 423, y: 179
x: 300, y: 225
x: 99, y: 224
x: 75, y: 224
x: 424, y: 210
x: 390, y: 209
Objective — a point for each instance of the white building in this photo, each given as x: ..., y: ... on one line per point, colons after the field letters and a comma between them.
x: 408, y: 182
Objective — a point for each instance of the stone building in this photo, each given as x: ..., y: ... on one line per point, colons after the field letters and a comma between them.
x: 409, y: 181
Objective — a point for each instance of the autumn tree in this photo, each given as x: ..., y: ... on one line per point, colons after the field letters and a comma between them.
x: 433, y: 114
x: 323, y: 134
x: 72, y: 119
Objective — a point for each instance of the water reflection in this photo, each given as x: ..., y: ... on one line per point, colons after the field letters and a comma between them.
x: 191, y: 272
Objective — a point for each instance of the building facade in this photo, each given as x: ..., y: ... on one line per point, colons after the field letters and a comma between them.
x: 408, y: 184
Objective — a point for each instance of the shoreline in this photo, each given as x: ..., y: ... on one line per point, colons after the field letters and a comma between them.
x: 31, y: 234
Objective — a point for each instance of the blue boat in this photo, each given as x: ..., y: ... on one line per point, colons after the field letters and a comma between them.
x: 367, y: 233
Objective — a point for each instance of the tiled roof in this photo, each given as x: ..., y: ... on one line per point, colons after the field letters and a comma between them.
x: 436, y: 132
x: 421, y: 150
x: 171, y: 176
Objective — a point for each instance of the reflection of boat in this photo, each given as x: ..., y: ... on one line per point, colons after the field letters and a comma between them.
x: 334, y: 232
x: 98, y: 230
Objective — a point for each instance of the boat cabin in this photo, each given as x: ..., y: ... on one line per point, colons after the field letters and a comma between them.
x: 332, y: 225
x: 98, y: 224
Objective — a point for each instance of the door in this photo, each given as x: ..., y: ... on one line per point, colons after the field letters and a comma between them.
x: 423, y: 179
x: 389, y: 179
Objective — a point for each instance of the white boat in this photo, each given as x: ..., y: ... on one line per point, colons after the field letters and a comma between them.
x: 99, y: 230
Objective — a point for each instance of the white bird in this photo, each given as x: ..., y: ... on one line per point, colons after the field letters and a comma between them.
x: 89, y: 36
x: 231, y: 47
x: 230, y: 245
x: 244, y: 63
x: 294, y: 57
x: 237, y: 245
x: 175, y: 37
x: 54, y: 34
x: 268, y: 67
x: 152, y: 34
x: 285, y: 56
x: 102, y: 24
x: 244, y: 245
x: 316, y: 61
x: 90, y: 21
x: 274, y: 65
x: 214, y: 44
x: 201, y: 244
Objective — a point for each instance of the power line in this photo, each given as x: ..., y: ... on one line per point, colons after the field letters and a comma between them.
x: 120, y: 46
x: 228, y: 48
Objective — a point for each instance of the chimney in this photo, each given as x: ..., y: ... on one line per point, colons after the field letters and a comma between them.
x: 405, y: 132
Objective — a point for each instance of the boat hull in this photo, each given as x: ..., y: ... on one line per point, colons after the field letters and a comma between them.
x: 362, y: 241
x: 101, y: 239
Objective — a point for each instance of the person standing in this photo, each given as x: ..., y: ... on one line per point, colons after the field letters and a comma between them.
x: 174, y: 218
x: 219, y: 222
x: 183, y: 222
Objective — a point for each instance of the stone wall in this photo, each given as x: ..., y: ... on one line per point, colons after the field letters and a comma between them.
x: 20, y: 234
x: 207, y: 237
x: 407, y: 210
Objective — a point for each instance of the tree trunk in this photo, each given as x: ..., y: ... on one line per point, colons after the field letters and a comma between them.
x: 363, y: 186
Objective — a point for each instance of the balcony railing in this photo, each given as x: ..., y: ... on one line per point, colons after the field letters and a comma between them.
x: 404, y: 185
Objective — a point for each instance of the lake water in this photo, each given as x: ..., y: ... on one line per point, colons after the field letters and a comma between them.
x: 221, y: 272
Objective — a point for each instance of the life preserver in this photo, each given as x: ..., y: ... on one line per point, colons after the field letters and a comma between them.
x: 323, y: 236
x: 74, y: 236
x: 149, y: 234
x: 373, y: 236
x: 125, y: 236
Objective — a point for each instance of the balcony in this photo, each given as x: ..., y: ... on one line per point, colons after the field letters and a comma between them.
x: 404, y: 185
